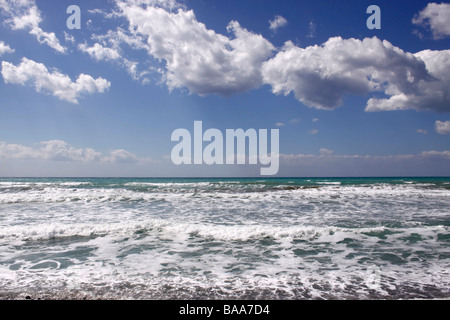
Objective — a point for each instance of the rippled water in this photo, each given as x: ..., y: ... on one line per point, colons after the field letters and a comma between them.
x: 225, y: 238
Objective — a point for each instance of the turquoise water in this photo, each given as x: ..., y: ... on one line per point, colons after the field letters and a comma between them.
x: 268, y: 238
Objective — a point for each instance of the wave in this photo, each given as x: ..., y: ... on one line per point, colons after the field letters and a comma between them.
x: 26, y: 193
x: 329, y: 182
x: 208, y: 231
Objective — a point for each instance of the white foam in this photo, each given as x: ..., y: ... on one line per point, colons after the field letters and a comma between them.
x: 74, y: 183
x: 50, y: 230
x: 50, y: 193
x: 329, y: 182
x: 273, y: 241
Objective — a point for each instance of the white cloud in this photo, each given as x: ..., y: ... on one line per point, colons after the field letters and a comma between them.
x: 436, y: 154
x: 55, y: 150
x: 97, y: 11
x: 279, y: 124
x: 53, y: 82
x: 295, y: 120
x: 195, y: 57
x: 16, y: 151
x: 277, y: 22
x: 320, y: 76
x: 4, y: 48
x: 325, y: 152
x: 436, y: 17
x: 169, y: 5
x: 103, y: 13
x: 313, y: 131
x: 327, y: 164
x: 122, y: 156
x: 431, y: 93
x: 329, y: 156
x: 58, y: 150
x: 69, y: 38
x: 116, y: 38
x: 422, y: 131
x: 24, y: 15
x: 98, y: 52
x: 315, y: 119
x: 443, y: 127
x: 188, y: 55
x: 312, y: 30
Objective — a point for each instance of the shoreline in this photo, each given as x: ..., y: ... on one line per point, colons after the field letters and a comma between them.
x: 196, y: 294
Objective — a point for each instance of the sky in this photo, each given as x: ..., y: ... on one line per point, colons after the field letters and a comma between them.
x: 104, y: 99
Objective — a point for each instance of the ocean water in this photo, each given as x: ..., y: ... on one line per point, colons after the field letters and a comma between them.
x: 290, y: 238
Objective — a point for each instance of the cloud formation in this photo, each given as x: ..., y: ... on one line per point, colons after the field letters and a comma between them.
x: 277, y: 22
x: 436, y: 17
x: 443, y: 127
x: 188, y: 55
x: 312, y: 30
x: 327, y: 163
x: 99, y: 52
x: 29, y: 72
x: 4, y: 48
x: 25, y: 15
x: 192, y: 56
x: 320, y: 76
x: 58, y: 150
x: 422, y: 131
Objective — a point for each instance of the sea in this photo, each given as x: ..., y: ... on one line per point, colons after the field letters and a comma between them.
x: 225, y: 238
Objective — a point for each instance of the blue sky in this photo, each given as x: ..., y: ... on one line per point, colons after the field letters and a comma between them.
x: 348, y: 101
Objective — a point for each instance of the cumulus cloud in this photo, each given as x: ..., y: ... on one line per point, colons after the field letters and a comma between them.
x: 280, y: 124
x: 25, y: 15
x: 16, y: 151
x: 194, y: 57
x: 29, y: 72
x: 277, y: 22
x: 436, y: 17
x: 432, y: 93
x: 99, y: 52
x: 186, y: 54
x: 443, y: 127
x: 4, y: 48
x: 58, y: 150
x: 320, y: 76
x: 55, y: 150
